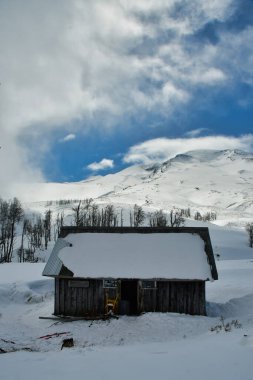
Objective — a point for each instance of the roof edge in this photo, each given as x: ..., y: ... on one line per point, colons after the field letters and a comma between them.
x: 66, y: 230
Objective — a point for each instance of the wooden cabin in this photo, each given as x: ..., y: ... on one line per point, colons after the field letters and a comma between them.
x: 126, y: 270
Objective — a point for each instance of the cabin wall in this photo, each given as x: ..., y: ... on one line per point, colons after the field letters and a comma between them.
x: 169, y: 296
x: 78, y: 300
x: 174, y: 296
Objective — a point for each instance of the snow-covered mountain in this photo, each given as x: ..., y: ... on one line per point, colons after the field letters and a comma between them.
x: 204, y: 180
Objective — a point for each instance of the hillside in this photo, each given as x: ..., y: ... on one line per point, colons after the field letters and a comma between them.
x: 203, y: 180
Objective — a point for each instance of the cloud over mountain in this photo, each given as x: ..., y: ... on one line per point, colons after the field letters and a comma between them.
x: 103, y: 164
x: 161, y: 149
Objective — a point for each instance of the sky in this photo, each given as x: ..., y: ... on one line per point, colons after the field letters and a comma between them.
x: 89, y: 87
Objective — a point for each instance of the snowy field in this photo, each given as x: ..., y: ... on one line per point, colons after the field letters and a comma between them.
x: 153, y: 345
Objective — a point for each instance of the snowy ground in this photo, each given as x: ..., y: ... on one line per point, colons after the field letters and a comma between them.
x: 153, y: 345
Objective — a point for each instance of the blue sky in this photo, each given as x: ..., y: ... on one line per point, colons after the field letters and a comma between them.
x: 71, y: 158
x: 90, y: 87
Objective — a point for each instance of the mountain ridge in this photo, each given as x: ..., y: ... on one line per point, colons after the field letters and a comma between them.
x: 203, y: 180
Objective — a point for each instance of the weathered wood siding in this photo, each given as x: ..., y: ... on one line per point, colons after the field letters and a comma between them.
x: 170, y: 296
x: 174, y: 296
x: 79, y: 301
x: 146, y: 299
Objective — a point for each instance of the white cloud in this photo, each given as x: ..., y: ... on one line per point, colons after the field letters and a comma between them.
x: 16, y: 169
x: 161, y: 149
x: 103, y: 164
x: 210, y: 77
x: 75, y: 60
x: 91, y: 60
x: 196, y: 132
x: 69, y: 137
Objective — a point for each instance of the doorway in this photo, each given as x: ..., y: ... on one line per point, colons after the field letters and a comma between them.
x: 128, y: 303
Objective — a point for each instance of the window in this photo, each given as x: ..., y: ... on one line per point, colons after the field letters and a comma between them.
x: 78, y: 284
x: 110, y: 284
x: 147, y: 284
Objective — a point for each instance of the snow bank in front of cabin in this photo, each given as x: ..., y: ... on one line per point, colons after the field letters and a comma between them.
x: 226, y: 357
x: 132, y: 255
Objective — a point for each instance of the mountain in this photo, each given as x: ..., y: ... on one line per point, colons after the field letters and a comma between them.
x: 203, y: 180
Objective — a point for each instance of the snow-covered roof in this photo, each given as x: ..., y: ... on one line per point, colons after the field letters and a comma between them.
x: 132, y: 255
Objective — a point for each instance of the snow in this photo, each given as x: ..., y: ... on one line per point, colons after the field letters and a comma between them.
x: 133, y: 255
x: 236, y: 280
x: 216, y: 357
x: 20, y: 272
x: 153, y: 345
x: 219, y: 181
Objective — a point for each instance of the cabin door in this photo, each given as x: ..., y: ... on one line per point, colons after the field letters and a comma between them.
x: 128, y: 303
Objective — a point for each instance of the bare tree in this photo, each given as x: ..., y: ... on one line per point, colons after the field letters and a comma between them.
x: 121, y: 218
x: 77, y: 214
x: 47, y: 227
x: 58, y: 224
x: 249, y: 229
x: 186, y: 212
x: 198, y: 216
x: 139, y: 216
x: 4, y: 212
x: 158, y: 219
x: 109, y: 216
x: 175, y: 218
x: 21, y: 249
x: 95, y: 215
x: 130, y: 218
x: 11, y: 214
x: 86, y: 213
x: 34, y: 235
x: 207, y: 217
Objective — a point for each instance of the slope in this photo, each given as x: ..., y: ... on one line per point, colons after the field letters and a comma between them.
x: 204, y: 180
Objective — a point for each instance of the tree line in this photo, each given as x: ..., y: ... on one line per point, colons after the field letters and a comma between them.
x: 11, y: 213
x: 36, y: 231
x: 88, y: 214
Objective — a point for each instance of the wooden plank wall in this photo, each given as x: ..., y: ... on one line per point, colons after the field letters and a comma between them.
x: 56, y: 297
x: 147, y: 299
x: 170, y: 296
x: 78, y: 301
x: 174, y: 296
